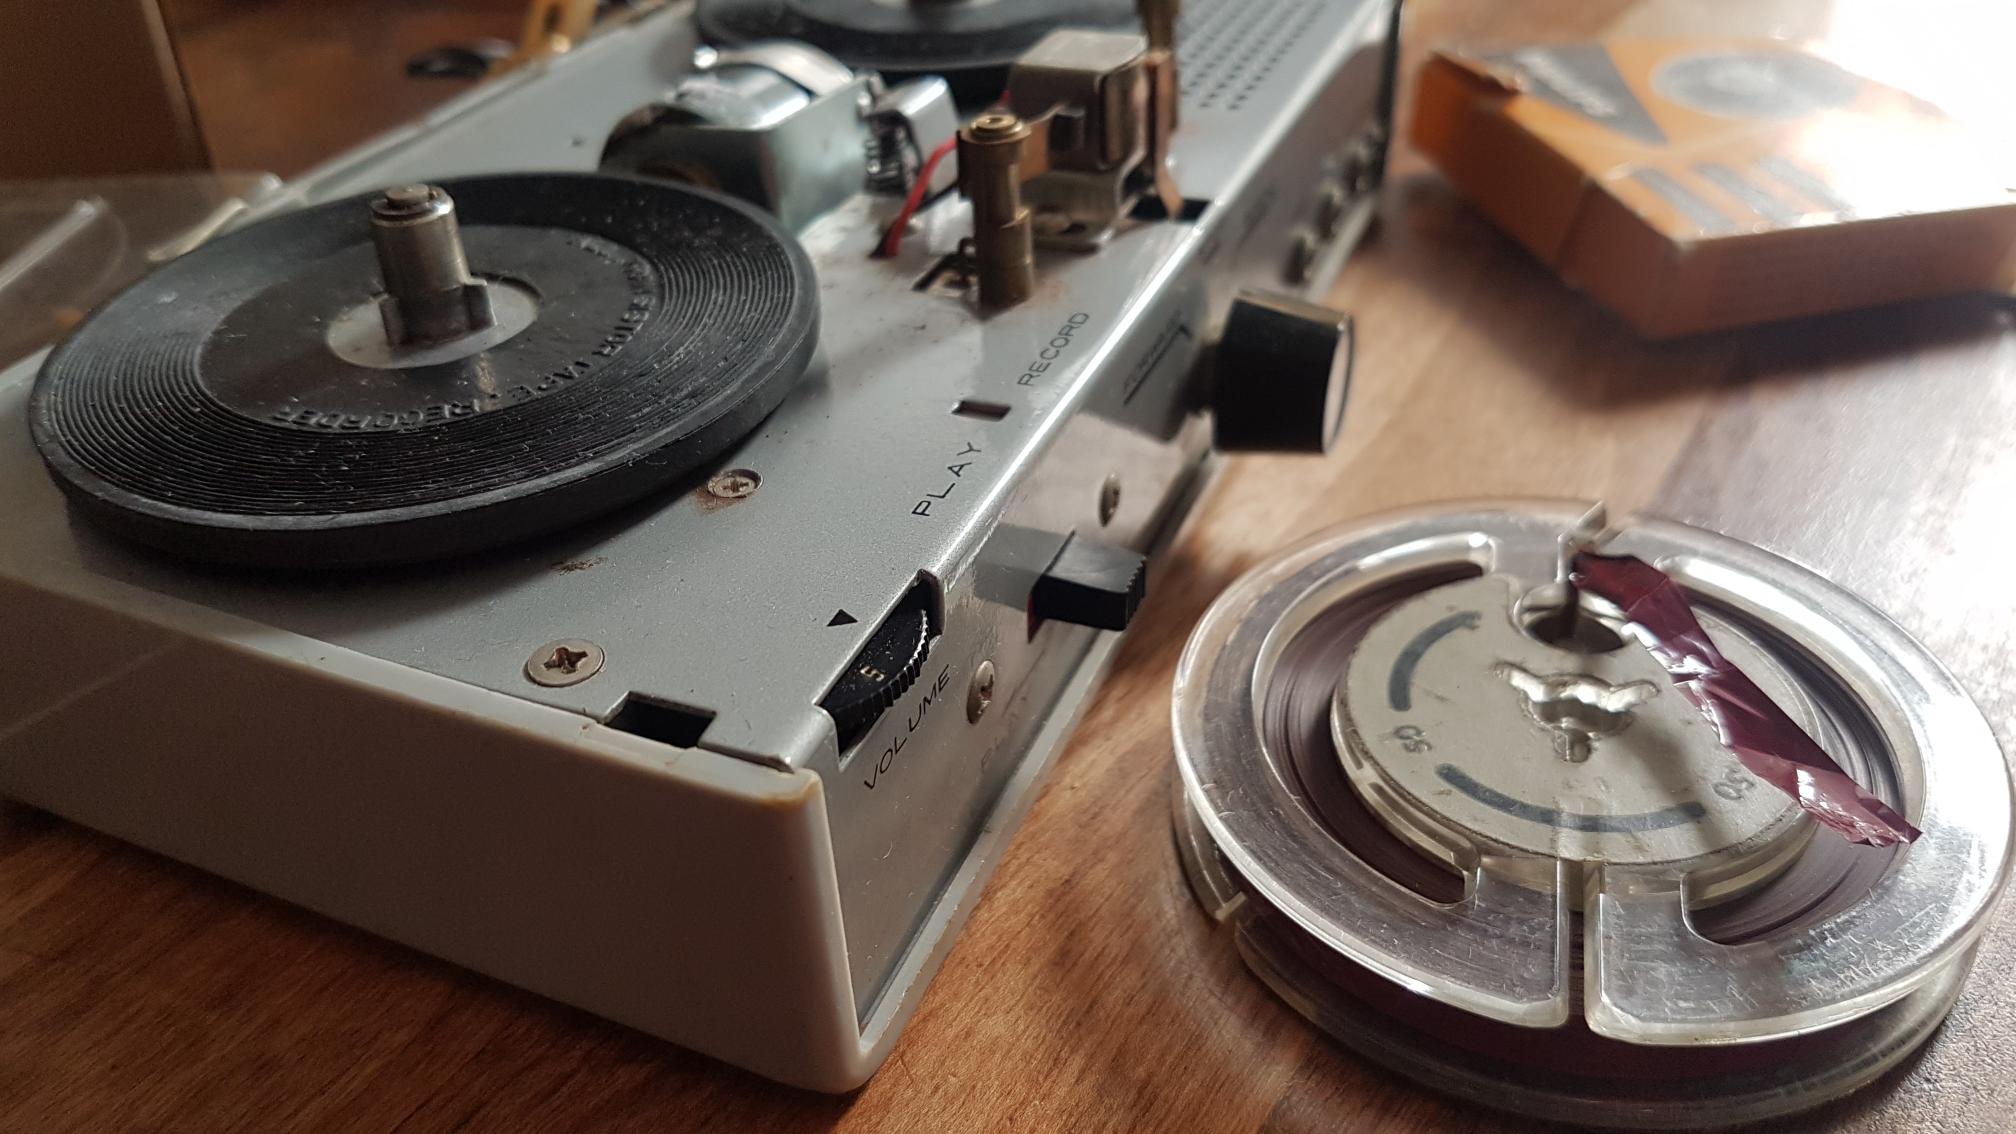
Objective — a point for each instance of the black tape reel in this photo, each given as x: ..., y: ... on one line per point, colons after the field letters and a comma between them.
x: 969, y: 42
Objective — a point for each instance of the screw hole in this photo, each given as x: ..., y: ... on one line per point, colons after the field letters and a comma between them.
x: 980, y: 693
x: 981, y: 409
x: 1546, y: 616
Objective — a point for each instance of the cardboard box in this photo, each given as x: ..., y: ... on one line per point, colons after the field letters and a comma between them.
x: 1697, y: 185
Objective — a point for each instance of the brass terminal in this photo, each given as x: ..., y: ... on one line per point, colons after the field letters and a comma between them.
x: 991, y: 175
x: 1158, y: 22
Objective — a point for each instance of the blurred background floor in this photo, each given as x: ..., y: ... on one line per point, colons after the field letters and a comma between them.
x: 279, y: 85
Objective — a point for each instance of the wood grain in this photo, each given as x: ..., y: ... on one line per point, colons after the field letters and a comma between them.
x: 1088, y: 993
x: 279, y: 85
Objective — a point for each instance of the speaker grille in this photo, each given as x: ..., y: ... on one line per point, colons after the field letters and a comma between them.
x: 1230, y: 47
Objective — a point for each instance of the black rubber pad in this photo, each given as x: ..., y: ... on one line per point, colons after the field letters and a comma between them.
x: 203, y: 410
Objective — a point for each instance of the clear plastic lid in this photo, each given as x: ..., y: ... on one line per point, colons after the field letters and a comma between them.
x: 67, y: 245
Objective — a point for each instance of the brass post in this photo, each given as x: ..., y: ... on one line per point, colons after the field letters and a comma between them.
x: 990, y: 174
x: 1158, y: 22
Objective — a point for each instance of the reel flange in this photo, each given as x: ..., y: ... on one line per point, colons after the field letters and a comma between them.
x: 969, y: 43
x: 1520, y: 867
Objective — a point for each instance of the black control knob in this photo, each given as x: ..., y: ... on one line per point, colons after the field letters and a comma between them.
x: 1283, y: 371
x: 1091, y: 584
x: 882, y: 672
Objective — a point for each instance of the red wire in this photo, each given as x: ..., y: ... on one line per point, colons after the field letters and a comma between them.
x: 892, y: 242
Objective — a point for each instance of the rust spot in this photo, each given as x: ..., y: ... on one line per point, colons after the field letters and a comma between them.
x: 569, y: 566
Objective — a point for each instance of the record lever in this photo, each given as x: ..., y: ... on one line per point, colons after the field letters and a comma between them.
x: 430, y: 297
x: 1091, y: 584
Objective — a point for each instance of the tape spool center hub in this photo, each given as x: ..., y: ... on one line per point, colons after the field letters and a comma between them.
x: 1470, y: 738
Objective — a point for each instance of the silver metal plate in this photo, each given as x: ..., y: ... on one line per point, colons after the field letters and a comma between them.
x: 1470, y: 736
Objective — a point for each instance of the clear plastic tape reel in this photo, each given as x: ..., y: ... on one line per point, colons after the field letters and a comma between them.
x: 1504, y: 951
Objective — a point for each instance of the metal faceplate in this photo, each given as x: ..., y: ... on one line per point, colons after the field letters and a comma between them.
x: 869, y: 479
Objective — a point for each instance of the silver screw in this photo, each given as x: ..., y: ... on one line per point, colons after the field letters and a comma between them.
x: 569, y: 661
x: 1333, y: 204
x: 1109, y: 500
x: 1302, y: 266
x: 733, y: 484
x: 980, y: 693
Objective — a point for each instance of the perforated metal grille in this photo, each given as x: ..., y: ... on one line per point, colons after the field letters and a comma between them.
x: 1231, y: 47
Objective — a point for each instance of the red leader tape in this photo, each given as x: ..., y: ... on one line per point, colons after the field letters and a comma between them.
x: 1768, y: 741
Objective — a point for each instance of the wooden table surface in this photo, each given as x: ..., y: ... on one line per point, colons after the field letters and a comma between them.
x: 1088, y: 992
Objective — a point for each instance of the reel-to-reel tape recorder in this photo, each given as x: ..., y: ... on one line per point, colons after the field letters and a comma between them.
x: 639, y: 532
x: 643, y: 532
